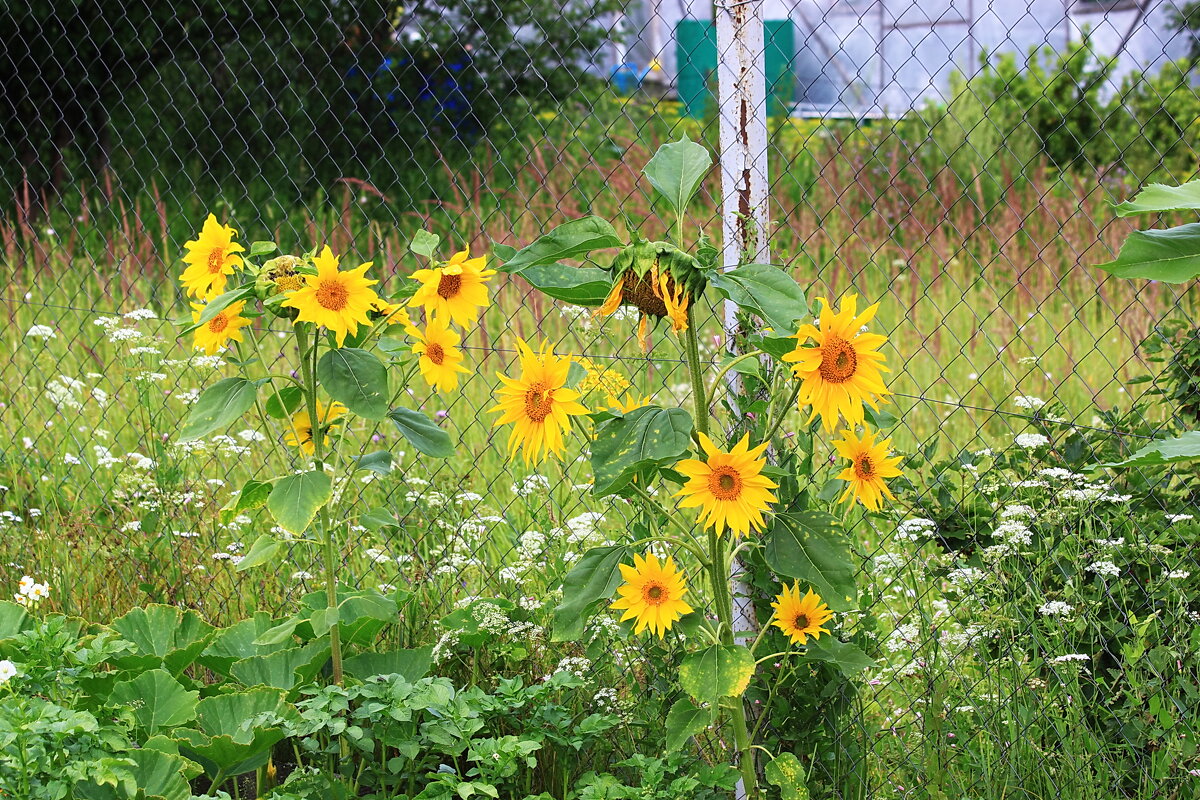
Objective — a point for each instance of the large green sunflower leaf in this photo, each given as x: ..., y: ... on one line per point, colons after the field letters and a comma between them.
x: 719, y: 670
x: 766, y: 291
x: 677, y: 169
x: 574, y: 239
x: 356, y: 378
x: 645, y: 439
x: 1171, y: 255
x: 590, y: 582
x: 1157, y: 198
x: 810, y: 546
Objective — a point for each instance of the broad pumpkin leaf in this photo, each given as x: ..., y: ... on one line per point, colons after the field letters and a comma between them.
x: 645, y: 438
x: 237, y: 642
x: 676, y: 171
x: 296, y: 499
x: 574, y: 239
x: 285, y: 669
x: 224, y: 741
x: 357, y: 379
x: 412, y: 665
x: 219, y: 406
x: 13, y: 619
x: 162, y: 636
x: 719, y: 670
x: 1158, y: 197
x: 590, y: 582
x: 1171, y: 255
x: 1185, y: 447
x: 158, y: 700
x: 810, y: 546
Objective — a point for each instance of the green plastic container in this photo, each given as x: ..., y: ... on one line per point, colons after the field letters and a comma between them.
x: 696, y: 60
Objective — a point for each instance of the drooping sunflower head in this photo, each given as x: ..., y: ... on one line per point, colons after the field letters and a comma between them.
x: 456, y: 290
x: 656, y: 278
x: 842, y: 368
x: 440, y: 360
x: 225, y: 326
x: 537, y: 404
x: 333, y: 299
x: 870, y: 466
x: 800, y: 617
x: 301, y: 434
x: 652, y: 594
x: 211, y: 258
x: 728, y: 487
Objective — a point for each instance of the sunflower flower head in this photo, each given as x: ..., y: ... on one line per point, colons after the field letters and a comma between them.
x: 869, y: 466
x: 300, y: 433
x: 456, y: 290
x: 225, y: 326
x: 537, y: 403
x: 656, y: 278
x: 279, y: 276
x: 211, y: 258
x: 336, y: 300
x: 728, y: 487
x: 842, y: 369
x: 439, y: 358
x: 652, y: 594
x: 392, y: 314
x: 800, y: 617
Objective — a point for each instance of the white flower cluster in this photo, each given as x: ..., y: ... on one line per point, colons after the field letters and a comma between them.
x: 1173, y: 518
x: 1031, y: 441
x: 30, y: 592
x: 1055, y: 608
x: 41, y: 332
x: 915, y: 529
x: 1104, y: 568
x: 965, y: 577
x: 576, y: 665
x: 531, y: 485
x: 1027, y: 402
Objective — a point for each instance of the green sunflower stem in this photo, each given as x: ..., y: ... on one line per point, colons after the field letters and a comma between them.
x: 718, y: 574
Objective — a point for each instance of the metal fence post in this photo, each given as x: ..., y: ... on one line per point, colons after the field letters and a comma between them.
x: 742, y: 121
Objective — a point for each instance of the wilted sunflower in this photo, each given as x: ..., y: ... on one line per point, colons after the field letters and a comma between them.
x: 844, y: 368
x: 211, y: 259
x: 336, y: 300
x: 301, y: 433
x: 537, y: 404
x: 652, y: 594
x: 224, y: 327
x: 457, y: 289
x: 656, y: 278
x: 800, y: 617
x: 869, y: 465
x: 729, y: 488
x: 440, y: 359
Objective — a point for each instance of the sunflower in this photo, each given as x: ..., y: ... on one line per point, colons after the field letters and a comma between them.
x: 628, y: 403
x: 538, y: 404
x: 211, y: 259
x: 457, y: 289
x: 729, y: 487
x: 392, y: 314
x: 843, y: 369
x: 223, y: 328
x: 869, y: 465
x: 440, y: 359
x: 652, y: 594
x: 800, y: 617
x: 657, y: 279
x: 301, y: 433
x: 334, y: 299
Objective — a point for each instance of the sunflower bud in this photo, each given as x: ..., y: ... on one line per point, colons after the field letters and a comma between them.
x: 280, y: 275
x: 656, y: 278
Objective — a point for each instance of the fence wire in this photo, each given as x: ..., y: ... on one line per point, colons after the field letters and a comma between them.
x: 953, y: 160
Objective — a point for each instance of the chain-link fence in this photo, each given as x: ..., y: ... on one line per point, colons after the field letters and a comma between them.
x: 955, y: 161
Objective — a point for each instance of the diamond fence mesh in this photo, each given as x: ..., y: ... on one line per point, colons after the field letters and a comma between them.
x: 953, y: 160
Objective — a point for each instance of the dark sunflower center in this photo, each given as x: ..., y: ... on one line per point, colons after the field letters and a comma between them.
x: 725, y: 483
x: 863, y: 468
x: 332, y: 295
x: 435, y: 353
x: 216, y: 260
x: 654, y: 594
x: 801, y: 622
x: 642, y: 294
x: 218, y: 323
x: 838, y: 360
x: 448, y: 286
x: 538, y: 403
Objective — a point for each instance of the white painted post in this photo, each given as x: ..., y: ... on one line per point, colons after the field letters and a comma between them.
x: 742, y: 120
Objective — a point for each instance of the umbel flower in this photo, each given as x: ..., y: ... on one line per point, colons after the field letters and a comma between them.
x: 211, y: 258
x: 657, y: 279
x: 652, y: 594
x: 537, y: 404
x: 729, y: 488
x: 843, y: 369
x: 869, y: 466
x: 224, y: 327
x: 439, y: 360
x: 800, y: 617
x: 301, y: 433
x: 457, y: 289
x: 336, y: 300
